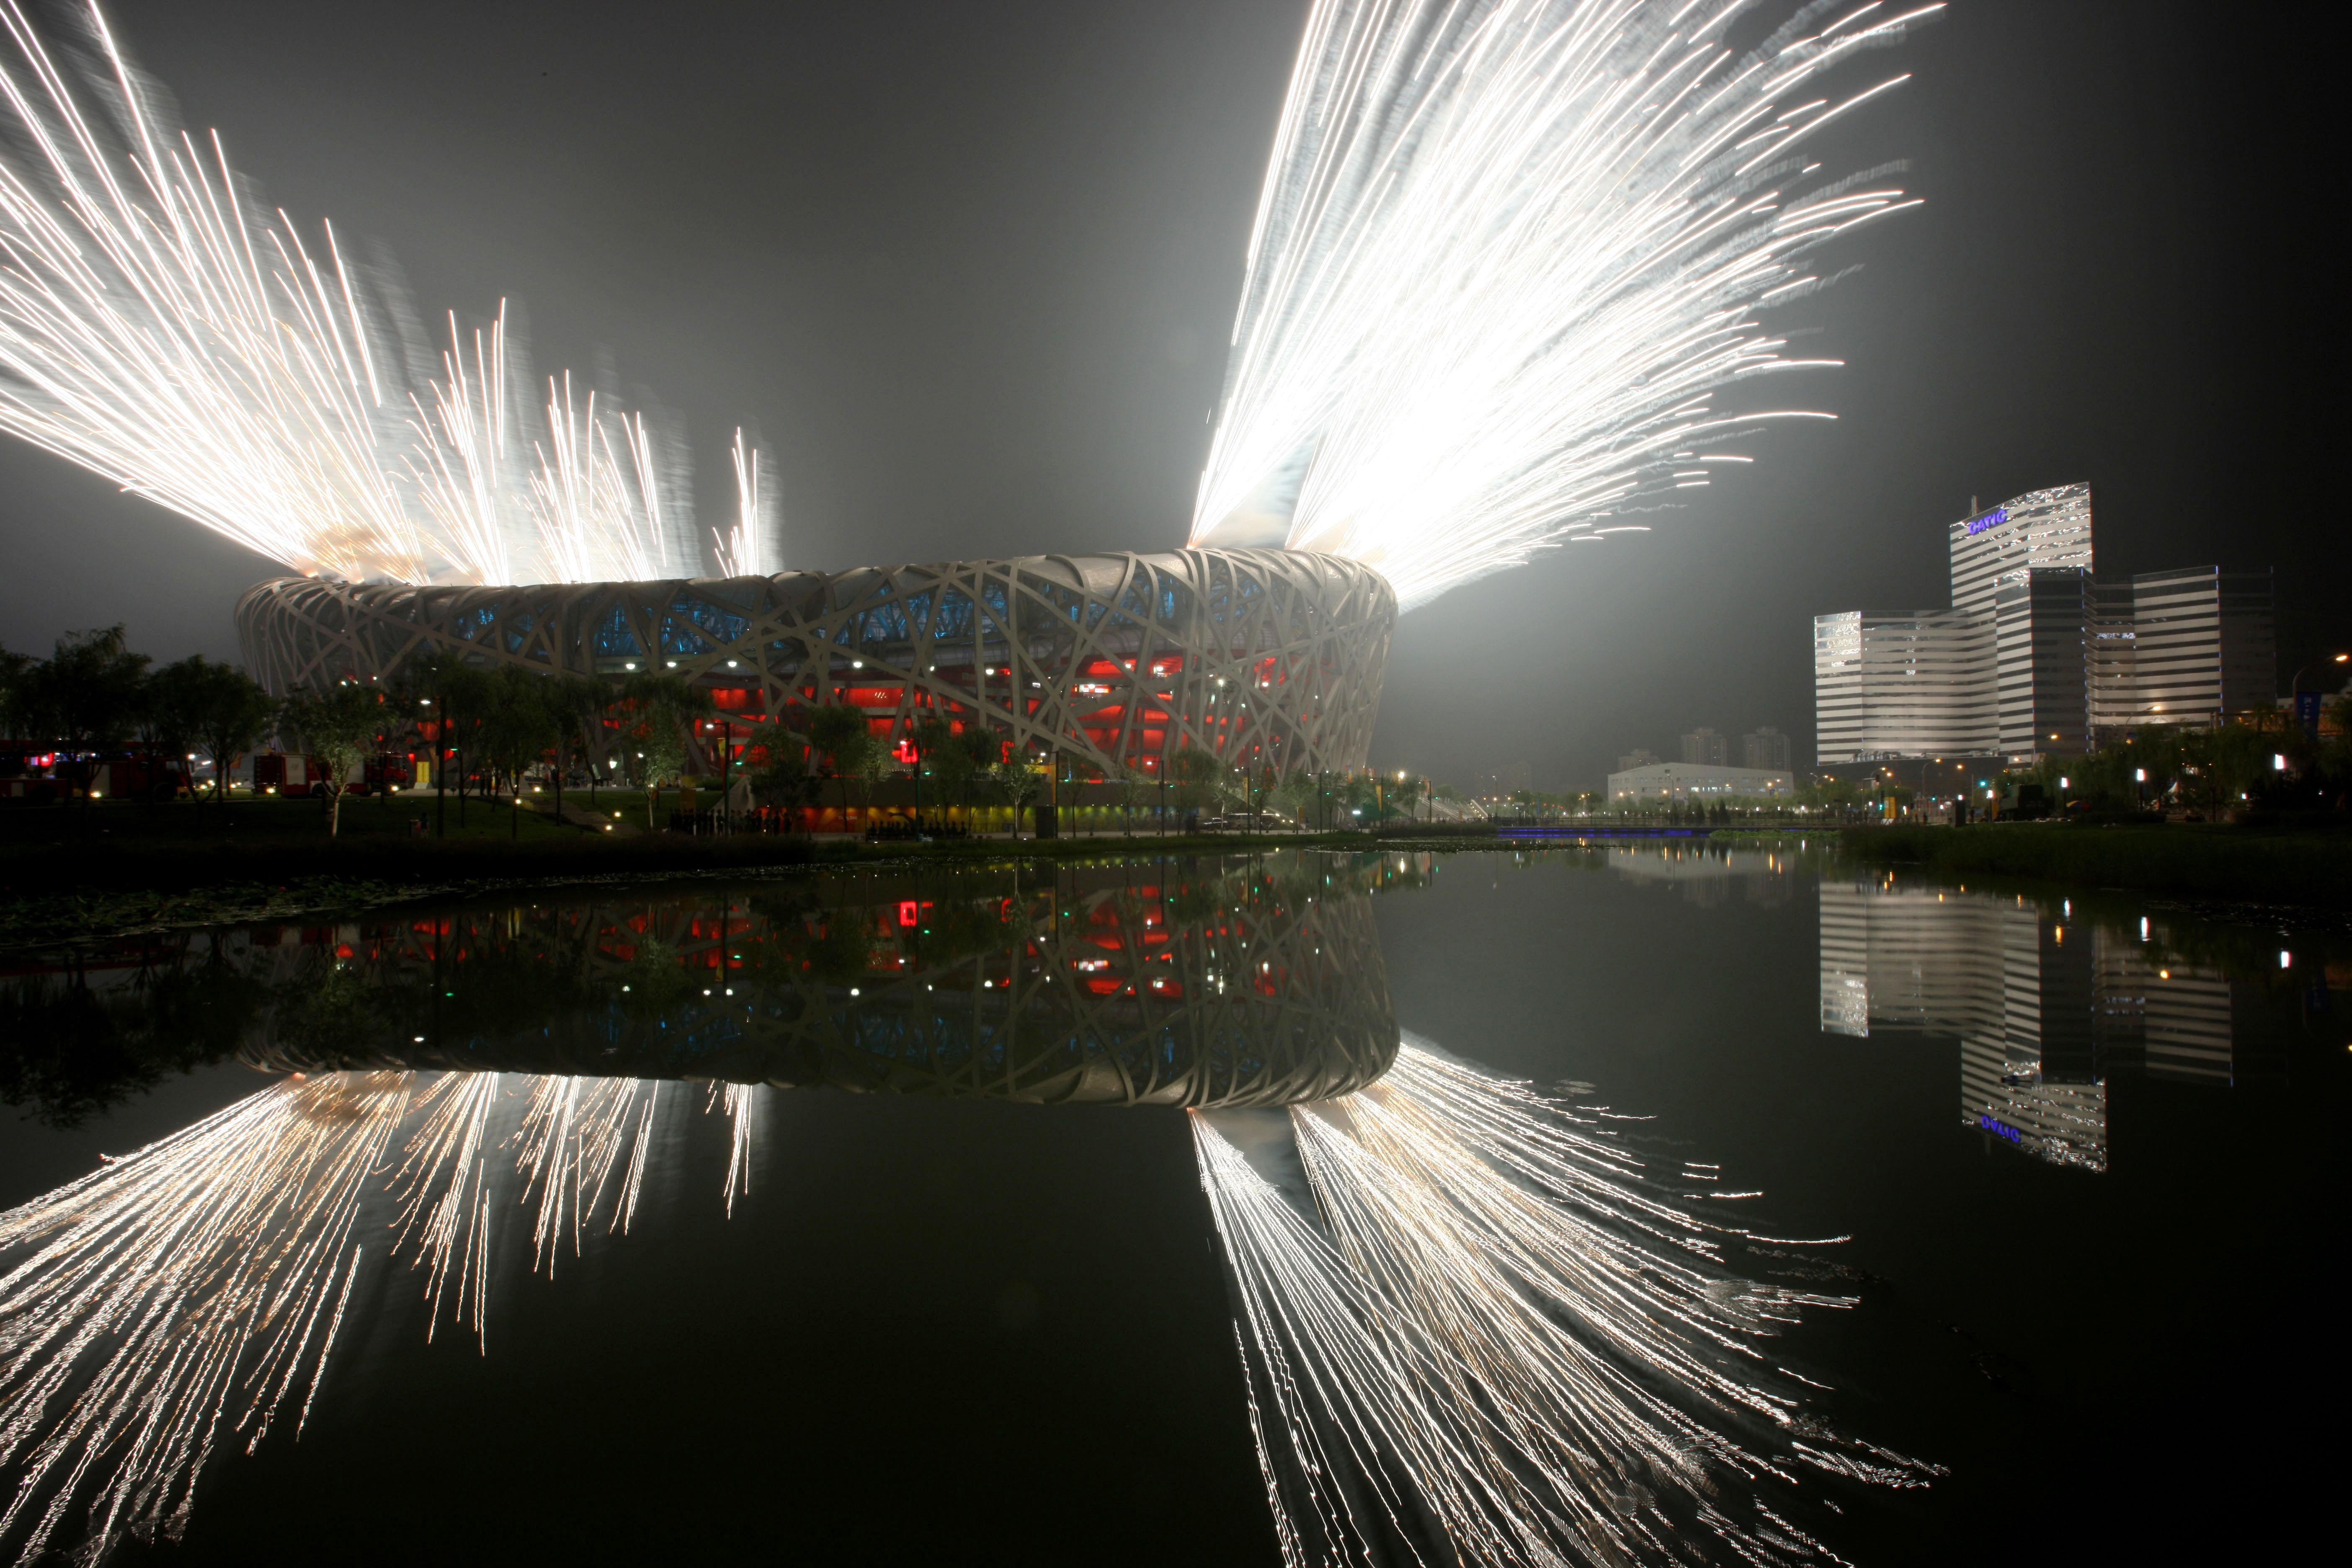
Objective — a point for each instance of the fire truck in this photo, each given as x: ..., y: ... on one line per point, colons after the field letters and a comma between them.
x: 32, y: 772
x: 274, y: 772
x: 386, y: 770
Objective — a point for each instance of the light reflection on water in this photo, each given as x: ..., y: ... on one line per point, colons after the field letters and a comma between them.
x: 1406, y: 1309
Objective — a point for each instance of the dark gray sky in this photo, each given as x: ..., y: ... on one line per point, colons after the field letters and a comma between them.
x: 969, y: 268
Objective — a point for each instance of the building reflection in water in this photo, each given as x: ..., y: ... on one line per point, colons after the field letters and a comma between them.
x: 1137, y: 984
x: 1474, y: 1322
x: 1707, y: 873
x: 2047, y: 1007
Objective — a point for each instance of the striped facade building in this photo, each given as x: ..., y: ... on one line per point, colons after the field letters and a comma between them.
x: 2046, y: 1009
x: 1996, y: 975
x: 2037, y: 655
x: 2190, y: 646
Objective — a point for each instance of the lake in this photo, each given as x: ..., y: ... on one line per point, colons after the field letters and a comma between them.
x: 1661, y: 1200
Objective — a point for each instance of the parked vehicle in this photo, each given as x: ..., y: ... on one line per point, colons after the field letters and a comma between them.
x: 386, y: 770
x: 24, y: 772
x: 274, y: 772
x: 2022, y: 800
x: 30, y: 773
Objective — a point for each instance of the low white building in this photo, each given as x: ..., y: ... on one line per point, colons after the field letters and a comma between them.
x: 1693, y: 781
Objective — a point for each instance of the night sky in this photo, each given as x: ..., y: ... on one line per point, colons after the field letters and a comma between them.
x: 968, y: 269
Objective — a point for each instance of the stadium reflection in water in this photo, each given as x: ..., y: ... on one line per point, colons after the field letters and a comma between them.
x: 454, y: 1065
x: 1132, y: 985
x: 1412, y: 1245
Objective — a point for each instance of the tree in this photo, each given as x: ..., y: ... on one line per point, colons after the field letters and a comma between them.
x: 787, y: 782
x: 1196, y: 774
x: 661, y: 705
x: 872, y: 764
x: 13, y: 667
x: 580, y: 706
x: 337, y: 727
x: 1292, y: 792
x: 1017, y: 784
x: 941, y: 757
x: 1132, y: 785
x: 840, y: 735
x: 447, y: 694
x: 230, y: 711
x: 84, y: 696
x: 520, y: 723
x: 171, y: 717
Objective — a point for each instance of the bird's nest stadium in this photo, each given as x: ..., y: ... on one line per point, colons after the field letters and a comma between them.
x: 1259, y: 658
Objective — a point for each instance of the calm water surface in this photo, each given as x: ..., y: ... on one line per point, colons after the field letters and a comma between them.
x: 947, y: 1285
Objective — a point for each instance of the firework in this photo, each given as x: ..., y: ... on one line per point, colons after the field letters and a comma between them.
x: 743, y: 551
x: 184, y: 1292
x: 177, y: 1296
x: 158, y: 327
x: 1507, y: 259
x: 1483, y: 1313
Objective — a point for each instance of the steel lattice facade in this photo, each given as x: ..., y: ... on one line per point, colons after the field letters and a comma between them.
x: 1228, y: 986
x: 1258, y: 657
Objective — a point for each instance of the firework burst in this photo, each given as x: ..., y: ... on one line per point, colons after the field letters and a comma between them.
x: 160, y: 327
x: 1508, y: 257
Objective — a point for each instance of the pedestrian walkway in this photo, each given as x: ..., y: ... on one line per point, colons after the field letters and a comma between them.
x: 603, y: 820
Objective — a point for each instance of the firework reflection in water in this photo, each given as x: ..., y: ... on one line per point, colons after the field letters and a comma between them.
x: 177, y: 1296
x: 1481, y: 1318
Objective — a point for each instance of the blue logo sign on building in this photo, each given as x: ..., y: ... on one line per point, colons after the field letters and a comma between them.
x: 1992, y: 518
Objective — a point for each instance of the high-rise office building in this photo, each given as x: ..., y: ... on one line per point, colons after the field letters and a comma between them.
x: 2192, y: 646
x: 1903, y: 686
x: 1765, y: 748
x: 2043, y: 531
x: 2042, y: 660
x: 2037, y: 655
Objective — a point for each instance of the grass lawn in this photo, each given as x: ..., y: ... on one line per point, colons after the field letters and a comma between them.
x: 275, y: 820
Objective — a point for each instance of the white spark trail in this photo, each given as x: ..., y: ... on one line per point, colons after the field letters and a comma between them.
x: 1496, y: 1321
x: 183, y: 1289
x: 745, y: 550
x: 189, y: 1289
x: 160, y: 327
x: 1505, y: 258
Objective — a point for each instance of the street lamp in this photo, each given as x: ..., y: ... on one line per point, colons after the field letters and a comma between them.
x: 2295, y: 687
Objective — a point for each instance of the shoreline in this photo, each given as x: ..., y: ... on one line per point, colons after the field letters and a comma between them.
x: 61, y: 895
x: 2307, y: 866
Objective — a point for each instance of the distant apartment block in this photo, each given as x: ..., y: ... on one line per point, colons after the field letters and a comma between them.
x: 1636, y: 758
x: 1704, y: 748
x: 2037, y: 655
x: 1765, y: 748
